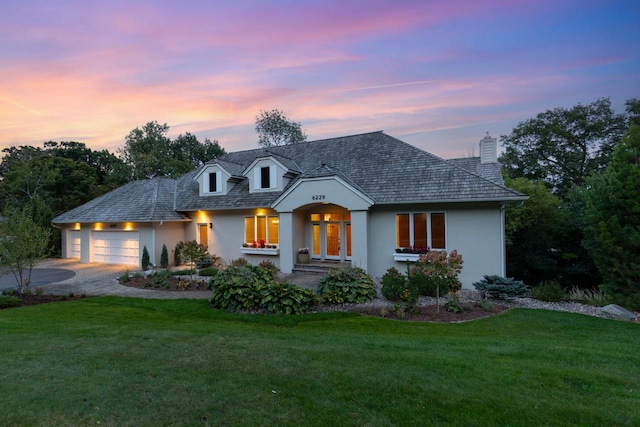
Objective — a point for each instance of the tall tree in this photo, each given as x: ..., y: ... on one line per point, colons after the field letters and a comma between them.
x: 147, y: 151
x: 562, y: 146
x: 613, y: 221
x: 150, y: 153
x: 274, y: 128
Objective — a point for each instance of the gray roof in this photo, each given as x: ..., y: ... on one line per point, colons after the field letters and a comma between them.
x: 384, y: 168
x: 138, y: 201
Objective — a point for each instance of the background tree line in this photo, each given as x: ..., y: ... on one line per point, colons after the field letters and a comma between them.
x: 581, y: 224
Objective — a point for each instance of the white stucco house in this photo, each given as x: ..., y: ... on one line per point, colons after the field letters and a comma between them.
x: 364, y: 199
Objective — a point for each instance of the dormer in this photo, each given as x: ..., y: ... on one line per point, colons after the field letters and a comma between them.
x: 212, y: 180
x: 267, y: 174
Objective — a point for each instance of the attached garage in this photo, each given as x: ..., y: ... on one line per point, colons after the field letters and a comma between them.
x: 74, y: 242
x: 116, y: 247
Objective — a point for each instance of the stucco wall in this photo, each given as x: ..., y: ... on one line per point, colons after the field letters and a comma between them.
x: 474, y: 230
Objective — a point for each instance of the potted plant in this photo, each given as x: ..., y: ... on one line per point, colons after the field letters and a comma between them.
x: 303, y: 256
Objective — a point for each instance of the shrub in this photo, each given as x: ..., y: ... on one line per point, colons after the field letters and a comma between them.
x: 501, y: 287
x: 177, y: 253
x: 164, y: 257
x: 209, y: 271
x: 8, y: 301
x: 424, y: 285
x: 270, y: 267
x: 185, y: 272
x: 453, y: 305
x: 347, y: 285
x: 436, y: 272
x: 145, y: 258
x: 240, y: 261
x: 550, y: 291
x: 286, y: 298
x: 237, y: 288
x: 206, y: 261
x: 160, y: 279
x: 396, y: 287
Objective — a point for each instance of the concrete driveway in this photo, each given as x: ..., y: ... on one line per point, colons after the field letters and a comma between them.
x: 65, y: 276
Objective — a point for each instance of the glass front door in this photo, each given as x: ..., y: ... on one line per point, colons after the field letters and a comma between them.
x: 332, y: 240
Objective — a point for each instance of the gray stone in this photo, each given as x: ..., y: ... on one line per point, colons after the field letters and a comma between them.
x: 614, y: 311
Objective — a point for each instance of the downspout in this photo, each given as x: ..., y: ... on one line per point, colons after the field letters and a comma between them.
x: 503, y: 243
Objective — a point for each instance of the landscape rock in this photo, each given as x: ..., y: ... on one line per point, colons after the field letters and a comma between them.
x: 614, y: 311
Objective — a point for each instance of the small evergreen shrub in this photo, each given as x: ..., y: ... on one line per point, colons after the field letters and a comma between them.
x: 549, y: 291
x: 347, y: 285
x: 145, y: 258
x: 164, y: 257
x: 177, y: 253
x: 8, y: 301
x: 286, y: 298
x: 501, y: 287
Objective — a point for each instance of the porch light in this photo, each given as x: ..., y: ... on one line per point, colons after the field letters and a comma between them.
x: 210, y: 225
x: 76, y: 226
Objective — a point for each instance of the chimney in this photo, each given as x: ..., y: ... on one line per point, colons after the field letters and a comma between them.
x: 488, y: 149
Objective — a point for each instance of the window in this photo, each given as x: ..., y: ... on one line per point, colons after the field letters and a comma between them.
x: 414, y: 231
x: 261, y: 230
x: 213, y: 182
x: 265, y: 177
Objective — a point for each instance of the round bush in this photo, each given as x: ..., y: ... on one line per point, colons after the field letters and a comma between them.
x: 347, y: 285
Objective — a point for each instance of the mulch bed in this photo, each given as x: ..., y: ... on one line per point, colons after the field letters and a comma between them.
x: 33, y: 299
x: 431, y: 314
x: 171, y: 283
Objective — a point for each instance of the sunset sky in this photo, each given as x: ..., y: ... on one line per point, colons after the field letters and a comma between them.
x: 438, y: 74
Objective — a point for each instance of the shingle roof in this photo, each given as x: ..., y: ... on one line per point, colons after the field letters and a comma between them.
x: 137, y: 201
x: 384, y: 168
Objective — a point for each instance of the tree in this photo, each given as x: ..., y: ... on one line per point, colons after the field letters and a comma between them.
x: 274, y: 128
x: 150, y: 153
x: 562, y: 147
x: 22, y: 245
x: 164, y: 257
x: 613, y: 221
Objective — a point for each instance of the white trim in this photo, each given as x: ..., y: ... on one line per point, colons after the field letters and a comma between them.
x: 300, y: 182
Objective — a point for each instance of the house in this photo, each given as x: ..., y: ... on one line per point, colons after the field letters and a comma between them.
x: 358, y: 199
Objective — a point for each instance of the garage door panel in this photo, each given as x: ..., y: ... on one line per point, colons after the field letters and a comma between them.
x: 74, y: 244
x: 116, y: 247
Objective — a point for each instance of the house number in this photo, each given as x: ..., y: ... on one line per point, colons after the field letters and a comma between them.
x: 318, y: 197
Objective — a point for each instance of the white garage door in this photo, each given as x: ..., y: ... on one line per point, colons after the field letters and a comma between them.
x: 74, y: 244
x: 116, y: 247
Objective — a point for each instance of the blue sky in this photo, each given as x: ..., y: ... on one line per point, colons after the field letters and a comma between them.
x: 436, y: 74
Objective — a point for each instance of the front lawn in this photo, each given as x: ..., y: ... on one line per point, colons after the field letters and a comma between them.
x: 133, y: 362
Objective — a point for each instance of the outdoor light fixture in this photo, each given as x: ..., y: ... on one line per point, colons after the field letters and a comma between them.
x: 210, y: 225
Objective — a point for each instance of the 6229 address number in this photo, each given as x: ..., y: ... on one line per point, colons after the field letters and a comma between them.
x: 318, y: 197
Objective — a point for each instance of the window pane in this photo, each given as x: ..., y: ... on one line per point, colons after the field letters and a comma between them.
x: 347, y: 216
x: 265, y: 177
x: 273, y: 230
x: 348, y: 231
x: 316, y: 240
x: 249, y: 229
x: 420, y: 230
x: 213, y: 184
x: 402, y: 231
x: 315, y: 217
x: 261, y: 231
x: 437, y: 231
x: 332, y: 217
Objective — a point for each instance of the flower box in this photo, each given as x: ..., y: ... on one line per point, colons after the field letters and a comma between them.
x: 260, y: 251
x: 397, y: 256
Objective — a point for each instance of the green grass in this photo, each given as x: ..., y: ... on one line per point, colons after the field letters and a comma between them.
x: 135, y: 362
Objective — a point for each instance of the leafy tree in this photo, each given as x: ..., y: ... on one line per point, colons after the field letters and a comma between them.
x: 147, y: 151
x: 562, y: 147
x: 192, y: 252
x: 613, y: 221
x: 274, y: 128
x: 22, y: 245
x: 529, y: 233
x: 150, y: 153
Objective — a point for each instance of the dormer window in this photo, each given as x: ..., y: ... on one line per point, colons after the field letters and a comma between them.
x: 265, y: 177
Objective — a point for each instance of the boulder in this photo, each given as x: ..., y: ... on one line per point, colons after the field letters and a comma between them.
x: 615, y: 312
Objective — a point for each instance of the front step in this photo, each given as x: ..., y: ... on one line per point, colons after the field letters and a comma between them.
x: 320, y: 267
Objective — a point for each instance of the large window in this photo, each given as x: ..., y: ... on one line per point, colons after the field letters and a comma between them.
x: 261, y: 230
x: 420, y: 230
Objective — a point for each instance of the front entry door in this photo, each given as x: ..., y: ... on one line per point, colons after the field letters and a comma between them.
x: 332, y: 240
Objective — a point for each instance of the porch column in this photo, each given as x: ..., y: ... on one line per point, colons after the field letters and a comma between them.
x: 359, y: 239
x: 286, y: 242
